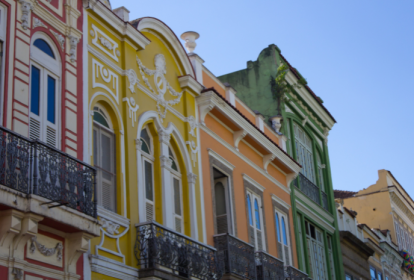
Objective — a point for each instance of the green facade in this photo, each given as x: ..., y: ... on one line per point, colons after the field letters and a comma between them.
x: 312, y: 196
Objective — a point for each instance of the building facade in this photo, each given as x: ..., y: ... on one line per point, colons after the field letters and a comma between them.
x: 387, y: 206
x: 305, y: 123
x: 47, y: 193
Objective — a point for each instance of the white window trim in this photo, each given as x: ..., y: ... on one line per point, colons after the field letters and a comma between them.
x: 107, y: 118
x: 254, y: 197
x: 282, y: 214
x: 173, y: 176
x: 145, y: 157
x: 3, y: 37
x: 53, y: 67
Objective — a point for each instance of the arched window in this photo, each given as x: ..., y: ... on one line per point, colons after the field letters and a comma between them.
x: 283, y: 244
x: 221, y: 211
x: 304, y: 152
x: 104, y: 158
x: 177, y: 188
x: 249, y: 209
x: 45, y: 73
x: 256, y: 234
x: 148, y: 172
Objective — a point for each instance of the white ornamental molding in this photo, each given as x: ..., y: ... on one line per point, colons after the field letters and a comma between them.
x: 73, y: 43
x: 192, y: 178
x: 37, y: 22
x: 132, y: 78
x: 60, y: 38
x: 104, y: 43
x: 46, y: 251
x: 133, y: 108
x: 26, y: 7
x: 193, y: 125
x: 99, y: 71
x: 194, y: 151
x: 18, y: 273
x: 164, y: 137
x: 161, y: 84
x: 110, y: 229
x: 166, y: 162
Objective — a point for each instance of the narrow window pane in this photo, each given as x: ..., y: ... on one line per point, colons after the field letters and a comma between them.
x: 278, y: 228
x: 148, y: 181
x: 284, y: 231
x: 51, y: 99
x: 220, y: 199
x: 257, y: 214
x: 35, y: 91
x: 95, y: 148
x: 146, y: 138
x: 177, y: 197
x: 43, y: 46
x: 249, y: 209
x: 99, y: 118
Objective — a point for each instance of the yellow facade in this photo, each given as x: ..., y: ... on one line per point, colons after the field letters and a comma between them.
x: 139, y: 80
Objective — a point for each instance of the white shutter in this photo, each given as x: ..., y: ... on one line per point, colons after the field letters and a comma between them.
x: 51, y: 136
x: 150, y: 211
x: 177, y: 205
x: 34, y: 129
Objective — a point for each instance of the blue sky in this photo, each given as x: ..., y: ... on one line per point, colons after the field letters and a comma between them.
x: 357, y: 55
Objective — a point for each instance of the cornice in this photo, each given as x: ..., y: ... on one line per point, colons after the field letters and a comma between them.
x: 311, y: 213
x: 401, y: 208
x: 280, y: 201
x: 188, y: 82
x: 253, y: 182
x: 315, y: 207
x: 311, y: 102
x: 209, y: 100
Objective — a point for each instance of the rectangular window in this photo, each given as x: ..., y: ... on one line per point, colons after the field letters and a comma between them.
x: 348, y: 277
x: 3, y: 29
x: 256, y: 232
x: 51, y: 99
x: 177, y: 205
x: 316, y: 250
x: 283, y: 240
x: 149, y: 190
x: 373, y: 273
x: 222, y: 209
x: 35, y: 91
x: 379, y: 276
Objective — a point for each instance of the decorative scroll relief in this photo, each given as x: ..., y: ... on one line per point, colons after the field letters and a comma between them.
x: 161, y: 84
x: 132, y: 78
x: 73, y: 43
x: 26, y: 7
x: 110, y: 229
x: 194, y: 151
x: 37, y: 22
x: 193, y: 125
x: 133, y: 108
x: 60, y: 39
x: 104, y: 43
x: 99, y: 71
x: 18, y: 273
x: 45, y: 249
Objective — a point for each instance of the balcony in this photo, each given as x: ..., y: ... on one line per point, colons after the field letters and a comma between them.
x: 311, y: 190
x: 166, y: 254
x: 235, y: 256
x: 34, y: 168
x: 268, y: 267
x: 292, y: 273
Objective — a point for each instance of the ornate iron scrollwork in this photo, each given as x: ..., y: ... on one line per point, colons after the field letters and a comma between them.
x: 268, y: 267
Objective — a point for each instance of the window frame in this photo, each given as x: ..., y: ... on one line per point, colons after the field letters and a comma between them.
x: 255, y: 197
x: 321, y: 251
x: 52, y: 67
x: 145, y: 157
x: 3, y: 39
x: 303, y: 151
x: 282, y: 216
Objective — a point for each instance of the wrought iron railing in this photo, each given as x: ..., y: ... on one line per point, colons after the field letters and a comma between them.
x: 292, y: 273
x: 268, y: 267
x: 308, y: 188
x: 158, y: 247
x: 235, y: 256
x: 33, y: 167
x: 325, y: 201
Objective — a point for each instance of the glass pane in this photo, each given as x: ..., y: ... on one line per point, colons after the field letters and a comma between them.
x: 173, y: 165
x: 148, y: 181
x: 106, y: 153
x: 144, y: 146
x: 278, y: 228
x: 219, y: 192
x: 146, y: 138
x: 249, y: 208
x: 257, y: 214
x: 177, y: 197
x: 43, y: 46
x: 379, y: 276
x: 51, y: 99
x: 99, y: 118
x: 284, y: 231
x: 35, y: 91
x: 95, y: 148
x: 373, y: 273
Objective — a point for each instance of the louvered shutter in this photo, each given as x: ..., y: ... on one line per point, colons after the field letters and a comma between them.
x: 149, y: 191
x: 280, y: 250
x: 252, y: 236
x: 177, y: 205
x: 259, y: 239
x: 34, y: 129
x: 287, y: 259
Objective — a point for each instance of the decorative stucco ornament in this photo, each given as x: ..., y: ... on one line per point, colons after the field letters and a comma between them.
x: 193, y: 125
x: 166, y: 162
x: 109, y: 226
x: 26, y: 8
x: 37, y: 22
x: 133, y: 108
x: 190, y: 38
x: 73, y: 42
x: 194, y: 151
x: 133, y: 79
x: 161, y: 84
x: 60, y: 39
x: 18, y: 273
x: 192, y: 178
x: 276, y: 123
x: 46, y: 251
x: 106, y: 43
